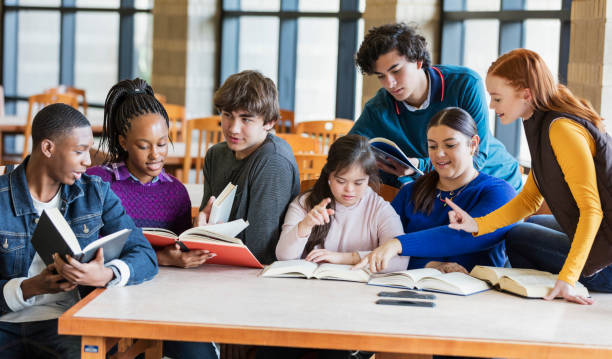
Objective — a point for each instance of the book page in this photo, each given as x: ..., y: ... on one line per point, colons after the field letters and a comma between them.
x: 202, y: 234
x: 296, y: 268
x: 454, y: 283
x: 230, y: 229
x: 405, y: 279
x: 341, y: 272
x: 493, y: 274
x: 222, y: 205
x: 160, y: 232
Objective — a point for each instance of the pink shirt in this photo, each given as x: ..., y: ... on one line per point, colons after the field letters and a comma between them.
x: 359, y: 228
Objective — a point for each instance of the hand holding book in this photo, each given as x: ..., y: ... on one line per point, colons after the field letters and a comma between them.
x: 93, y: 273
x: 173, y: 255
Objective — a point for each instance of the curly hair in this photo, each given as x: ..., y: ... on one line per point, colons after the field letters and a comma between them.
x: 385, y: 38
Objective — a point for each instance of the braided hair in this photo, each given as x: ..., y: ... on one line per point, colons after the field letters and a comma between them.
x: 125, y: 101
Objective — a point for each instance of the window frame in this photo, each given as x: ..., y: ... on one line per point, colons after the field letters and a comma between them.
x: 511, y: 16
x: 68, y: 10
x: 348, y: 17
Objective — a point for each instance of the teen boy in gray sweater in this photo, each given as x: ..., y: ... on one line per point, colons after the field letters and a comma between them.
x: 259, y: 163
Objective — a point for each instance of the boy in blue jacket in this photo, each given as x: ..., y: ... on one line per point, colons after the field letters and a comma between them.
x: 35, y: 295
x: 412, y: 92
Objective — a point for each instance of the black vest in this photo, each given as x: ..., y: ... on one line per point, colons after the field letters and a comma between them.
x: 551, y: 183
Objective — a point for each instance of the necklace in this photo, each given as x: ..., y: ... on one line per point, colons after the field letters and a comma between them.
x: 454, y: 193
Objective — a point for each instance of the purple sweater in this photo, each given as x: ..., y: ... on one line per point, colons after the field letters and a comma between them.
x: 161, y: 203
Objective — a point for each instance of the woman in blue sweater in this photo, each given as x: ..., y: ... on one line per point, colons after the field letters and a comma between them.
x: 452, y: 142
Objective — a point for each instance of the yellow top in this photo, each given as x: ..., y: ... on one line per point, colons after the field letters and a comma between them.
x: 580, y: 176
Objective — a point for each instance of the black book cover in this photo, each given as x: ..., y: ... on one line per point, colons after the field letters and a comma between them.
x: 54, y: 235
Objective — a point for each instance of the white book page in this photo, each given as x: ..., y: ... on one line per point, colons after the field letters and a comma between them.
x: 230, y: 229
x: 290, y: 268
x: 342, y: 272
x: 222, y: 206
x: 100, y: 241
x: 457, y: 283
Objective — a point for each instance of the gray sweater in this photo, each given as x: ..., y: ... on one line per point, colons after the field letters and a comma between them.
x: 267, y: 181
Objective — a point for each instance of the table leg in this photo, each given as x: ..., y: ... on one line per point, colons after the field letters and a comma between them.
x: 401, y: 356
x: 93, y: 348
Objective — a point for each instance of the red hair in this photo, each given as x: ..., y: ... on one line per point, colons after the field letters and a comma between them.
x: 524, y: 68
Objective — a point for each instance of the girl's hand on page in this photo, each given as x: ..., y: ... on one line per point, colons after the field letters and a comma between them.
x: 460, y: 219
x: 379, y: 258
x: 566, y: 291
x: 205, y: 212
x: 173, y: 256
x: 317, y: 216
x: 446, y: 267
x: 323, y: 255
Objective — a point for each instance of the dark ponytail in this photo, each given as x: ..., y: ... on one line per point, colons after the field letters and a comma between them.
x: 424, y: 191
x: 125, y: 101
x: 345, y: 152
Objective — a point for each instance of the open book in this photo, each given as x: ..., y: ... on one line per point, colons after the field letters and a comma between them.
x: 300, y: 268
x: 222, y: 205
x: 54, y: 235
x: 430, y: 279
x: 529, y: 283
x: 218, y: 238
x: 384, y: 149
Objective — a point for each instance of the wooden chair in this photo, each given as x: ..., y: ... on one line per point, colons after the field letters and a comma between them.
x: 35, y: 104
x: 301, y: 144
x: 326, y: 131
x: 310, y: 165
x: 209, y: 133
x: 286, y: 122
x: 176, y: 114
x: 161, y: 98
x: 63, y: 89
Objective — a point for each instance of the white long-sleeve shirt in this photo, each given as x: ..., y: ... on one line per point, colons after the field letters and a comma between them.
x: 359, y: 228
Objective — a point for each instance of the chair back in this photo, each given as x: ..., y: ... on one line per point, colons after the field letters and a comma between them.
x: 176, y: 115
x: 301, y: 144
x: 286, y: 122
x: 79, y: 93
x: 161, y: 98
x: 35, y: 104
x: 209, y: 133
x: 325, y: 131
x: 305, y: 185
x: 7, y: 166
x: 310, y: 165
x: 387, y: 192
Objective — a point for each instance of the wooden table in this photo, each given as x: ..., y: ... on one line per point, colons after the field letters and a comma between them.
x: 234, y: 305
x: 15, y: 125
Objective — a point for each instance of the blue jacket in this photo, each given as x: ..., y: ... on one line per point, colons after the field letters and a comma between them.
x: 450, y: 86
x: 89, y: 201
x: 428, y: 236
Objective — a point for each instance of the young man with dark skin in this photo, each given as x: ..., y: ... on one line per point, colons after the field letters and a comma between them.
x: 35, y: 295
x: 412, y: 92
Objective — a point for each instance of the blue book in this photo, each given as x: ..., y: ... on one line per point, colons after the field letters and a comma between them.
x: 385, y: 150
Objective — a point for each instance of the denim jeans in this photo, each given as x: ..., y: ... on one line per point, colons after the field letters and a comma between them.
x: 540, y: 243
x: 37, y: 340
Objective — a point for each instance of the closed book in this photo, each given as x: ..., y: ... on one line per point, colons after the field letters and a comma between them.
x: 54, y: 235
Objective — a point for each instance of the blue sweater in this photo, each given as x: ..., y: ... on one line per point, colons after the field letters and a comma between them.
x: 428, y: 237
x: 450, y: 86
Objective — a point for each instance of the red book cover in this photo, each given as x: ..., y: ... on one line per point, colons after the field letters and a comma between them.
x: 227, y: 253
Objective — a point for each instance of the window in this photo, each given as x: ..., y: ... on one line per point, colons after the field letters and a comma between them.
x: 476, y: 32
x: 89, y: 44
x: 305, y: 46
